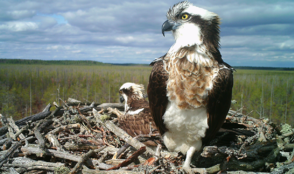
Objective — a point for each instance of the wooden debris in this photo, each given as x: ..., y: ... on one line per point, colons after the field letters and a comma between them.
x: 46, y: 112
x: 130, y: 159
x: 11, y: 150
x: 82, y: 160
x: 30, y: 164
x: 83, y: 137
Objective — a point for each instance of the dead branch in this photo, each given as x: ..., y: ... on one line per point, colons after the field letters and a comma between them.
x: 3, y: 141
x: 46, y: 112
x: 119, y: 106
x: 66, y: 127
x: 84, y: 119
x: 120, y: 151
x: 11, y: 150
x: 20, y: 132
x: 130, y: 159
x: 64, y: 155
x: 115, y: 111
x: 73, y: 147
x: 53, y: 140
x: 72, y: 100
x: 89, y: 171
x: 284, y: 169
x: 252, y: 166
x: 30, y: 164
x: 82, y: 160
x: 15, y: 128
x: 38, y: 134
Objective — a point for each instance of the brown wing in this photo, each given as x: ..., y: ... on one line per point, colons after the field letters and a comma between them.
x: 138, y: 124
x: 157, y: 94
x: 219, y: 102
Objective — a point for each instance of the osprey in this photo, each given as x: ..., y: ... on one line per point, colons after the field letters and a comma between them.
x: 190, y: 87
x: 137, y: 119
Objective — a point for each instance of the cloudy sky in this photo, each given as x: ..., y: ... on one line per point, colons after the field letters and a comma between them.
x: 253, y: 32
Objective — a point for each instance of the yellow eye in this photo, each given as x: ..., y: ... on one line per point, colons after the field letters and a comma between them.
x: 185, y: 16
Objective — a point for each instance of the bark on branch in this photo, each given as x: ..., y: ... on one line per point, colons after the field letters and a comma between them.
x: 46, y: 112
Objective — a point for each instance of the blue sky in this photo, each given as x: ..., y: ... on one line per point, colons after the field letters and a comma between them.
x: 253, y: 32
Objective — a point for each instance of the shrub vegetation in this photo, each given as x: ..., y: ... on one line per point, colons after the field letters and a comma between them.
x: 26, y: 88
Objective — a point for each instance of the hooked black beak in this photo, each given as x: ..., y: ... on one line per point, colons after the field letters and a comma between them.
x: 167, y: 26
x: 121, y: 99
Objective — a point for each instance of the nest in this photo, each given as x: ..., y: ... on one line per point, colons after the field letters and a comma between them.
x: 85, y: 138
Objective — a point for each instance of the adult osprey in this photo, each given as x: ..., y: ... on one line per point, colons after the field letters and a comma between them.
x: 137, y: 119
x: 190, y: 88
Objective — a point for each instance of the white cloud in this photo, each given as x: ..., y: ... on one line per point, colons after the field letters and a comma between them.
x: 126, y: 39
x: 130, y: 31
x: 19, y: 14
x: 19, y: 26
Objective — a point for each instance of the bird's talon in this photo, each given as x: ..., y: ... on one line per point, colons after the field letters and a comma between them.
x: 199, y: 170
x: 188, y: 170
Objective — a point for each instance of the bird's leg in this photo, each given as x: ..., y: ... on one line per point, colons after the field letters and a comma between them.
x: 150, y: 126
x: 187, y: 162
x: 188, y: 159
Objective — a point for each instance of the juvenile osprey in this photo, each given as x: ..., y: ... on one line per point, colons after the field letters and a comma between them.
x: 137, y: 118
x: 190, y: 88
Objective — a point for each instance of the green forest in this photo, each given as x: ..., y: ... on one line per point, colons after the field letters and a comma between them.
x: 26, y: 88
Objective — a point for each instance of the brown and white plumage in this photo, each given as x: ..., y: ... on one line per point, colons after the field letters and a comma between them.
x: 190, y: 88
x: 137, y: 118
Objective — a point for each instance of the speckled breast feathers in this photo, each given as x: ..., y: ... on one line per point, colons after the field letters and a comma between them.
x: 189, y: 82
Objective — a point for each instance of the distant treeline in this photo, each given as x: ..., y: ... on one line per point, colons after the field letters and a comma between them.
x: 264, y: 68
x: 50, y: 62
x: 129, y: 64
x: 90, y: 62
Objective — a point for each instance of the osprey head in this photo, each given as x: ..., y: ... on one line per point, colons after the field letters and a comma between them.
x: 192, y: 25
x: 130, y: 91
